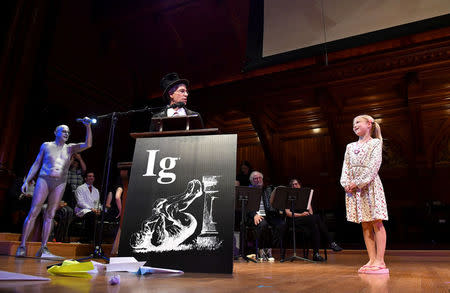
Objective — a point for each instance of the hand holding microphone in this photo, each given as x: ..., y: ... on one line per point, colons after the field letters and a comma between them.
x: 87, y: 120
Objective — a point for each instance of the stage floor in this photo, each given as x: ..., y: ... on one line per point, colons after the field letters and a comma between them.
x: 411, y: 271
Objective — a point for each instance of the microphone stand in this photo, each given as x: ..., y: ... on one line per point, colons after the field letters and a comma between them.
x: 98, y: 252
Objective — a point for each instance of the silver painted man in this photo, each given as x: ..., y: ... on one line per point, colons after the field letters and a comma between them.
x: 51, y: 166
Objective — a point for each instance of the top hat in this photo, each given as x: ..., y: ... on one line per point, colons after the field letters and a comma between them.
x: 169, y: 80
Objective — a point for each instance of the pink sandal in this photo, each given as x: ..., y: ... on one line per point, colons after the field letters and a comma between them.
x: 375, y: 270
x: 364, y: 268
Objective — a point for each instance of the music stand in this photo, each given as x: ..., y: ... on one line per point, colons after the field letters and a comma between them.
x: 293, y: 198
x: 247, y: 199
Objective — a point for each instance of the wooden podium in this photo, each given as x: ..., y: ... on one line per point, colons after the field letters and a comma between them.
x: 178, y: 206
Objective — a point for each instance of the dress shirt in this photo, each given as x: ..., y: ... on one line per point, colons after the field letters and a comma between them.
x: 180, y: 112
x: 86, y: 200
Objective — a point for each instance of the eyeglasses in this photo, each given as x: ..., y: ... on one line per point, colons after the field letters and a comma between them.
x: 182, y: 91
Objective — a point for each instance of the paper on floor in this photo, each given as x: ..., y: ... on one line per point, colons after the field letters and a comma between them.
x: 8, y: 276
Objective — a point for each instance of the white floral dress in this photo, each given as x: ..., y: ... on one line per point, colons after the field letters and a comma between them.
x: 361, y: 165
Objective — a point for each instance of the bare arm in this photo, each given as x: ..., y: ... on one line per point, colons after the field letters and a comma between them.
x: 108, y: 200
x: 82, y: 163
x: 34, y: 168
x: 88, y: 141
x: 119, y: 200
x: 296, y: 215
x: 79, y: 147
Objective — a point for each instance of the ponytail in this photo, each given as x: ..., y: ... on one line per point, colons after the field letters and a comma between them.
x: 377, y: 131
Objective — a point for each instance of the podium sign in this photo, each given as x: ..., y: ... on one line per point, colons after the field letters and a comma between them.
x: 179, y: 212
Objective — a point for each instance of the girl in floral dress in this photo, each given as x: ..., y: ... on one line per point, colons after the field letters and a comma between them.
x: 365, y: 200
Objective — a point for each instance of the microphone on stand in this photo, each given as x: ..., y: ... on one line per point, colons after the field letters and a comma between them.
x: 176, y: 105
x: 92, y: 120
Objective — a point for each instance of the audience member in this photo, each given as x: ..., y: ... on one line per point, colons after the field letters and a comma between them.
x: 75, y: 175
x: 114, y: 209
x: 114, y: 202
x: 267, y: 215
x: 245, y: 169
x: 17, y: 205
x: 88, y: 205
x: 314, y: 224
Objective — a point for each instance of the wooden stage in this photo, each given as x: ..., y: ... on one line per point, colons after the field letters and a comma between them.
x: 411, y: 271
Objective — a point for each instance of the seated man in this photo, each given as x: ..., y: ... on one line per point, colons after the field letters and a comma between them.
x: 88, y: 206
x: 267, y: 215
x: 314, y: 224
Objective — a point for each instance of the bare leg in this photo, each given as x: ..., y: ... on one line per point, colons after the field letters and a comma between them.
x: 39, y: 196
x: 369, y: 239
x: 54, y: 199
x: 115, y: 248
x: 380, y: 240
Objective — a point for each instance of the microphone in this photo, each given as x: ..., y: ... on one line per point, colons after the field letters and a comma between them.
x: 176, y: 105
x: 92, y: 120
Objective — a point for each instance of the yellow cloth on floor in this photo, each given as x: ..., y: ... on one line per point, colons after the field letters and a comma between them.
x: 72, y: 268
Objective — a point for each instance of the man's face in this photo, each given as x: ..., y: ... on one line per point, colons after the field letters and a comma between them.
x: 257, y: 180
x: 90, y: 178
x: 180, y: 95
x: 62, y: 132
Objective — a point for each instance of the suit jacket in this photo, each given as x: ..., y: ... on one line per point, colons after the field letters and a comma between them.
x: 163, y: 113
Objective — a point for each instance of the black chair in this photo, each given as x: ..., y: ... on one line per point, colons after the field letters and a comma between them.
x: 77, y: 228
x: 304, y: 233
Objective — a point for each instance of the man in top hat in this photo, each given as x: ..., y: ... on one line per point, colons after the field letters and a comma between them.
x: 175, y: 93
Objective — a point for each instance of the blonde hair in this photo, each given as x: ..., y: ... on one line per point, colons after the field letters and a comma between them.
x: 376, y: 129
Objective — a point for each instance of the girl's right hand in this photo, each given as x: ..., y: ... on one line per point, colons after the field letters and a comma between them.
x: 350, y: 188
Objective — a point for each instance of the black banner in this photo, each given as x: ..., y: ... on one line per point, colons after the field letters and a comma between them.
x: 180, y: 205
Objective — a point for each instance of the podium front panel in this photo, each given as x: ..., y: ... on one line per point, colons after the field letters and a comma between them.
x: 180, y: 206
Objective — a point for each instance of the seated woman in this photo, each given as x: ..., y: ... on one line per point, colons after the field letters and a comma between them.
x: 315, y: 225
x: 114, y: 209
x: 114, y: 203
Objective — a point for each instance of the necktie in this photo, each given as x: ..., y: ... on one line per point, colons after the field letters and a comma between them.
x: 175, y: 113
x: 90, y: 188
